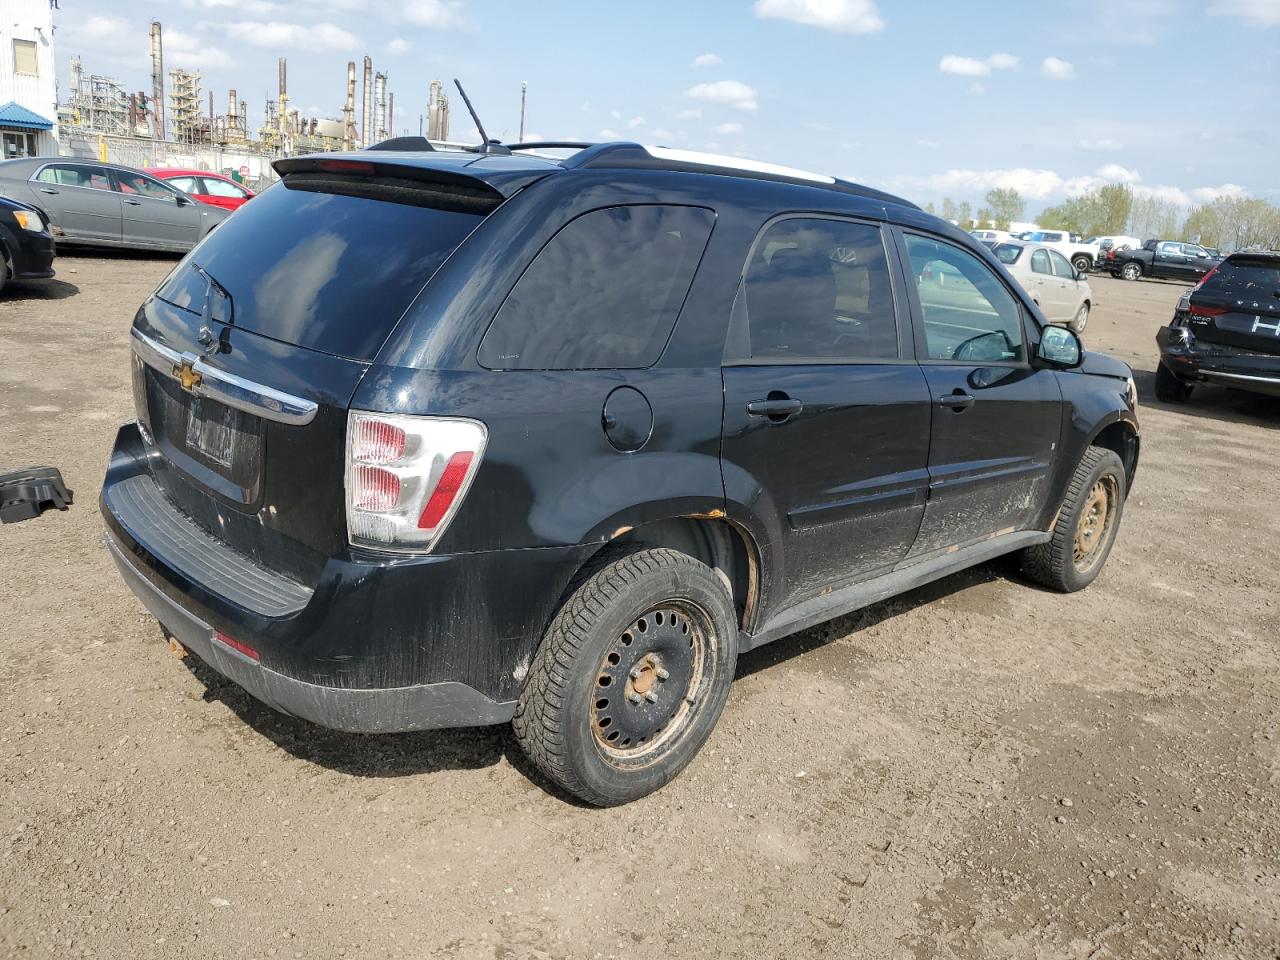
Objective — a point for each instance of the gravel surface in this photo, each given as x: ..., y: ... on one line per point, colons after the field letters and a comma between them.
x: 976, y: 769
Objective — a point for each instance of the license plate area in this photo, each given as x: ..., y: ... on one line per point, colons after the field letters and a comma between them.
x: 211, y: 433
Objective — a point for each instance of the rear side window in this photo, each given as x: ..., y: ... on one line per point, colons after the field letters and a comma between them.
x: 75, y: 175
x: 214, y: 187
x: 604, y: 293
x: 819, y: 289
x: 1040, y: 262
x: 1245, y: 279
x: 326, y: 271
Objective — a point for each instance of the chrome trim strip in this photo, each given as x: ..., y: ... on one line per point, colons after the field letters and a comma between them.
x: 234, y: 391
x: 1239, y: 376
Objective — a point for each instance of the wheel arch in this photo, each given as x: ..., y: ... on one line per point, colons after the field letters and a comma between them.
x: 1120, y: 436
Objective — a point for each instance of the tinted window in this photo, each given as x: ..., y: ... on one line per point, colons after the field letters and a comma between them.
x: 1008, y: 253
x: 819, y: 289
x: 75, y: 175
x: 1040, y: 262
x: 969, y: 314
x: 604, y: 293
x: 1245, y: 278
x: 1060, y: 266
x: 220, y: 188
x: 329, y: 272
x: 144, y: 186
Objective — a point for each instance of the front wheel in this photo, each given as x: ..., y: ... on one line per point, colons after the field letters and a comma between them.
x: 1131, y: 271
x: 1086, y: 527
x: 1082, y: 263
x: 1082, y: 318
x: 631, y: 676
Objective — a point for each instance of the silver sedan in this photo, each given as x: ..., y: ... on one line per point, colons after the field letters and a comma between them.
x: 1057, y: 287
x: 101, y: 204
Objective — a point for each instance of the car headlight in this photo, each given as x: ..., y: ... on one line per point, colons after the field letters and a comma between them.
x: 1132, y: 389
x: 29, y: 220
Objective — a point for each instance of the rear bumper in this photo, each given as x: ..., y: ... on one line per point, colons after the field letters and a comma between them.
x: 1201, y: 362
x: 369, y: 644
x: 395, y: 709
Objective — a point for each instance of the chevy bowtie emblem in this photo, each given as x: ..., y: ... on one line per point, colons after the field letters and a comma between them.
x: 187, y: 376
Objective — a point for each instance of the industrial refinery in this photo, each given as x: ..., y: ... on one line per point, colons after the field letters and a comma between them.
x: 178, y: 120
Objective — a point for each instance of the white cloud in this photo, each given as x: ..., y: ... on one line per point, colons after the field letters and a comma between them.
x: 1188, y: 198
x: 689, y: 113
x: 727, y: 129
x: 707, y: 60
x: 274, y: 34
x: 616, y: 114
x: 252, y: 8
x: 398, y: 46
x: 928, y: 145
x: 436, y: 14
x: 1117, y: 174
x: 99, y: 32
x: 732, y: 93
x: 636, y: 122
x: 1265, y: 13
x: 662, y: 133
x: 838, y: 16
x: 1103, y: 145
x: 972, y: 67
x: 1056, y: 69
x: 608, y: 135
x: 190, y: 52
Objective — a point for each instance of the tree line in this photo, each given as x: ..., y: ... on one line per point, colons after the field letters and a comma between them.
x: 1227, y: 223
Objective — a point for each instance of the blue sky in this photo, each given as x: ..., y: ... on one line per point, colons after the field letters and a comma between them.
x: 1180, y: 98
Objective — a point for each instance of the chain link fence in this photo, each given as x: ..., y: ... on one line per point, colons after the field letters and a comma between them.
x: 251, y: 166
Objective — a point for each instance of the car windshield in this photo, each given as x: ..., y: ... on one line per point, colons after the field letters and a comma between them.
x: 1008, y: 253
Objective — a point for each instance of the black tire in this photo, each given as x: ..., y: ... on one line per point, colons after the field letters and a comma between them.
x: 1081, y: 319
x: 1170, y: 388
x: 598, y: 653
x: 1131, y: 270
x: 1082, y: 263
x: 1077, y: 548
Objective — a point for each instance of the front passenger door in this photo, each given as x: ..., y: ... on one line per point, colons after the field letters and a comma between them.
x: 155, y: 214
x: 996, y: 419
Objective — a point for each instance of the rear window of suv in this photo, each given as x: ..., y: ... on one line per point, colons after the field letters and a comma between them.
x: 1248, y: 278
x: 326, y: 271
x: 604, y: 293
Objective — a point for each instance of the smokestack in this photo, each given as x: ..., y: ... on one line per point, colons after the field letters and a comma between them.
x: 391, y: 114
x: 284, y: 91
x: 349, y: 111
x: 523, y: 88
x: 366, y: 105
x: 157, y: 78
x: 380, y: 106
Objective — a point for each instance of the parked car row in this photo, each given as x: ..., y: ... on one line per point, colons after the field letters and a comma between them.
x: 107, y: 205
x: 1161, y: 259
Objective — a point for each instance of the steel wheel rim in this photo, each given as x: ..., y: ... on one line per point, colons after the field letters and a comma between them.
x: 1082, y: 318
x: 651, y: 680
x: 1094, y: 524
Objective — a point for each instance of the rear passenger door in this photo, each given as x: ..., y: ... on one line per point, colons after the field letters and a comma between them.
x: 996, y: 419
x: 79, y: 199
x: 826, y: 410
x: 153, y: 213
x: 1047, y: 290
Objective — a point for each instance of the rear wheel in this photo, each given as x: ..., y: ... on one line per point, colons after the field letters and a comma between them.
x: 631, y: 676
x: 1082, y: 318
x: 1082, y: 263
x: 1086, y: 526
x: 1170, y: 388
x: 1131, y: 271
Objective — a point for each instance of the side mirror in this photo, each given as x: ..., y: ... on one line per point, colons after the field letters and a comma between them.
x: 1078, y: 274
x: 184, y: 200
x: 1060, y: 347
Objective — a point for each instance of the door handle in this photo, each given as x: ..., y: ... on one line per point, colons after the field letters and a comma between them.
x: 777, y: 409
x: 132, y: 203
x: 958, y: 401
x: 48, y: 190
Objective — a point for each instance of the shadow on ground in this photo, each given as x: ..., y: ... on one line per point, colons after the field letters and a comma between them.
x: 1213, y: 403
x: 17, y: 291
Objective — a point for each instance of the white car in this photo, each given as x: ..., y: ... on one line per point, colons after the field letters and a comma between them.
x: 1058, y: 288
x: 990, y: 236
x: 1082, y: 255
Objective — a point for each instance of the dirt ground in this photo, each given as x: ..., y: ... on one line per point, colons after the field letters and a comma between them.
x: 976, y: 769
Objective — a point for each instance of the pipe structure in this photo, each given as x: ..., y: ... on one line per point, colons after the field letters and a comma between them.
x: 366, y: 104
x: 379, y: 107
x: 349, y: 111
x: 157, y: 79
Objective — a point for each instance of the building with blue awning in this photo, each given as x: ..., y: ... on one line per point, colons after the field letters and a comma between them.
x: 28, y: 89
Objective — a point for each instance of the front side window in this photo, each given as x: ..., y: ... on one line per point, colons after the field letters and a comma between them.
x: 1171, y: 249
x: 969, y: 315
x: 24, y: 58
x: 604, y: 293
x: 1191, y: 250
x: 142, y: 185
x: 1040, y: 262
x: 75, y: 175
x: 214, y: 187
x: 1060, y: 266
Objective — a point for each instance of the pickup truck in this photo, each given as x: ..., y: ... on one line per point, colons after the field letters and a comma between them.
x: 1082, y: 255
x: 1163, y: 259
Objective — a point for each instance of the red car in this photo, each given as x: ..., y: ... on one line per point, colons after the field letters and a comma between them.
x: 211, y: 188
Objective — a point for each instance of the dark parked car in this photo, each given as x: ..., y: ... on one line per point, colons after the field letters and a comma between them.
x: 1162, y: 259
x: 101, y: 204
x: 440, y: 439
x: 26, y: 246
x: 1225, y: 331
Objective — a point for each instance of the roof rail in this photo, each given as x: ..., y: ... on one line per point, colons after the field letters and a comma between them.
x: 637, y: 156
x: 550, y: 145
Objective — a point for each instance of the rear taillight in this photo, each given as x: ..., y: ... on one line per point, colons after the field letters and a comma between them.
x: 407, y: 476
x: 1200, y: 310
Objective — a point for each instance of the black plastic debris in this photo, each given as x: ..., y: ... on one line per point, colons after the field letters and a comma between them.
x: 27, y: 493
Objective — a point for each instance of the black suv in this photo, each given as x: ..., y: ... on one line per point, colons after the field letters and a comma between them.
x: 433, y: 439
x: 1225, y: 331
